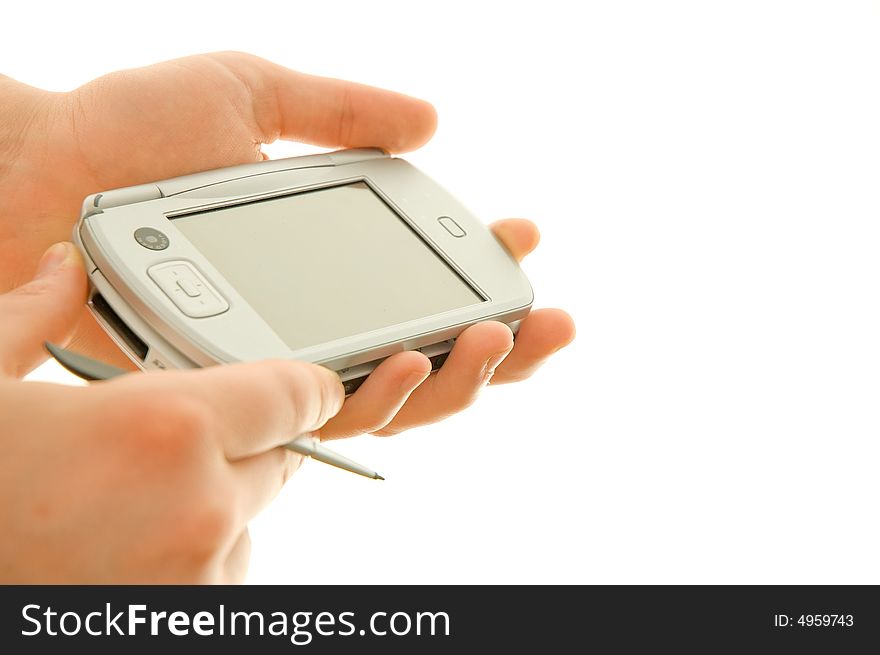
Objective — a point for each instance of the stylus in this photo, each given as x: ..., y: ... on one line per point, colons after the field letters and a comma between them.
x: 93, y: 370
x: 311, y: 447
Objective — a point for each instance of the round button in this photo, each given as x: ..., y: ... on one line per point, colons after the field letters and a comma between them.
x: 151, y: 238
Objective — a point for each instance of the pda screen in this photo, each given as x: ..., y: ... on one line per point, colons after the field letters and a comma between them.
x: 327, y: 264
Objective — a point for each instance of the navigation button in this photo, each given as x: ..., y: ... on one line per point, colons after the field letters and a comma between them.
x: 188, y: 289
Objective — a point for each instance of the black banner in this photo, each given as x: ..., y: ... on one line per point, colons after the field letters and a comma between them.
x: 414, y: 619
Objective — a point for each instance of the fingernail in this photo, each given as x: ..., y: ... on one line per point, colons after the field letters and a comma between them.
x: 338, y: 393
x: 413, y: 380
x: 52, y: 259
x: 491, y: 364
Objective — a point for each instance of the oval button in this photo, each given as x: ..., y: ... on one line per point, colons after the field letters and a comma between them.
x: 151, y: 238
x: 451, y: 226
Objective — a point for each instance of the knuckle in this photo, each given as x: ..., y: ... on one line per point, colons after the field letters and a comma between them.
x: 302, y: 380
x: 187, y: 417
x: 374, y: 423
x: 450, y: 395
x: 34, y: 288
x: 215, y: 520
x: 511, y: 377
x: 346, y: 117
x: 287, y: 372
x: 387, y: 431
x: 460, y: 400
x: 193, y: 520
x: 202, y: 573
x: 166, y: 424
x: 234, y: 56
x: 520, y: 372
x: 332, y: 394
x: 209, y: 517
x: 290, y: 465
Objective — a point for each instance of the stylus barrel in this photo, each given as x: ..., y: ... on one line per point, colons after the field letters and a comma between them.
x: 311, y: 447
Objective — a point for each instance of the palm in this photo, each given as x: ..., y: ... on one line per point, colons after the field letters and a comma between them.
x: 162, y: 122
x: 211, y: 111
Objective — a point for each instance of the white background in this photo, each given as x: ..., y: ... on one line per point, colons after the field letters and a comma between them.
x: 705, y: 176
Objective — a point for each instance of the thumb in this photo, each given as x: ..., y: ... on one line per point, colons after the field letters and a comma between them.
x: 45, y: 309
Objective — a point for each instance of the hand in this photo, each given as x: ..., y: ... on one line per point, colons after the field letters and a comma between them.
x: 400, y: 394
x: 149, y: 478
x: 170, y: 119
x: 216, y: 110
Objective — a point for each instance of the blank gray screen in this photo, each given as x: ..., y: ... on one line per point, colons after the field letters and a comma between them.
x: 326, y: 264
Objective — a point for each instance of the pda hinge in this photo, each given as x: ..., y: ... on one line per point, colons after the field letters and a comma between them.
x: 97, y: 202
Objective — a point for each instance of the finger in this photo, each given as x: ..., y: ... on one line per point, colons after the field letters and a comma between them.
x: 541, y: 334
x: 45, y: 309
x: 89, y: 337
x: 236, y: 565
x: 261, y: 477
x: 518, y: 235
x: 330, y: 112
x: 249, y: 407
x: 380, y: 397
x: 477, y: 352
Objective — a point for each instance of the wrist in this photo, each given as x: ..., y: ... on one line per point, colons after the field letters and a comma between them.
x: 24, y: 110
x: 27, y: 184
